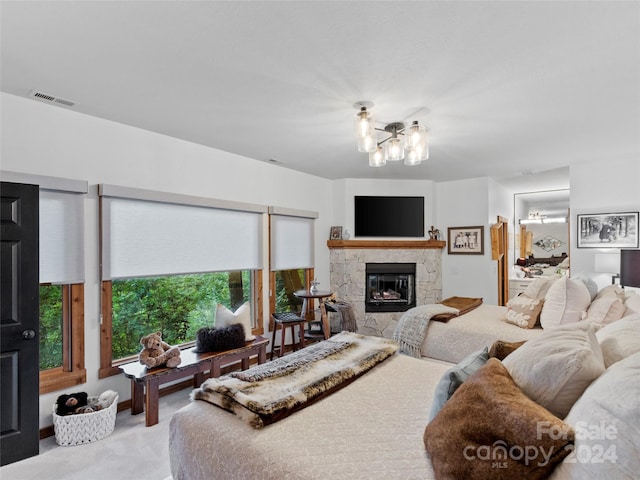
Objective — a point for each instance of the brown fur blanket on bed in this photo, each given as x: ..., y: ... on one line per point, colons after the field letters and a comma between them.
x: 269, y: 392
x: 463, y: 304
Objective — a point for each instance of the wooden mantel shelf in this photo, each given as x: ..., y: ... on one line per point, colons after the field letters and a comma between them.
x: 386, y: 243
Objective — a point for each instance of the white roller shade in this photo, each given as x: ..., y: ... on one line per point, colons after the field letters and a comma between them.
x: 61, y: 237
x: 292, y: 240
x: 148, y: 238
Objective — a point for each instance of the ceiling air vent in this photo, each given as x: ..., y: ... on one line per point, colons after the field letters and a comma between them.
x: 45, y: 97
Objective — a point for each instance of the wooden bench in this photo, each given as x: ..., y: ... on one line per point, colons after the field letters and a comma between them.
x: 196, y: 364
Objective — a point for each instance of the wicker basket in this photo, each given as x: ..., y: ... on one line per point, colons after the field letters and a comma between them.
x: 84, y: 427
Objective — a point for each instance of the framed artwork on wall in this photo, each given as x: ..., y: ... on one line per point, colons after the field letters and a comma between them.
x: 465, y: 240
x: 608, y: 230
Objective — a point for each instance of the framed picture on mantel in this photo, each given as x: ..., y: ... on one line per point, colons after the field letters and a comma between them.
x: 465, y: 240
x: 336, y: 233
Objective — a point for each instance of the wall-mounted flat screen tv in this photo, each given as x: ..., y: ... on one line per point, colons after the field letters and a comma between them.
x: 389, y: 216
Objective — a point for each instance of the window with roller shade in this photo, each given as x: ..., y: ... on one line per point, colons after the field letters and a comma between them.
x: 61, y: 273
x: 168, y: 260
x: 291, y: 256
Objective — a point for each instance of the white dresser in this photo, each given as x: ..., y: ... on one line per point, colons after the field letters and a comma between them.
x: 518, y: 285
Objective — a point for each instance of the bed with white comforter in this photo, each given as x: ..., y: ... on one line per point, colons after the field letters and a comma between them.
x: 453, y: 340
x: 371, y: 429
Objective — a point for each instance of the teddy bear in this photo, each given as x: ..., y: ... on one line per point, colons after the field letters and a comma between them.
x: 155, y: 352
x: 106, y: 398
x: 67, y: 404
x: 95, y: 404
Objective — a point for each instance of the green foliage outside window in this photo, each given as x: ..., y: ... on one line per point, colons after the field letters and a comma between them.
x: 50, y: 326
x: 175, y: 305
x: 287, y: 282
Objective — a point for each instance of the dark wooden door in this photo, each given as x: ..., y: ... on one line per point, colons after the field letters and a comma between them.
x: 19, y: 322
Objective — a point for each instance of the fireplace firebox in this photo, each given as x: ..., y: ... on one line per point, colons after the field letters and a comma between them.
x: 390, y: 287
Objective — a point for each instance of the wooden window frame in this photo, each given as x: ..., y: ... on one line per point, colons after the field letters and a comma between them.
x: 109, y: 367
x: 72, y: 372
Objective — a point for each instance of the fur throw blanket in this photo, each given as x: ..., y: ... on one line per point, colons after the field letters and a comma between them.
x: 210, y: 339
x: 269, y: 392
x: 344, y: 311
x: 412, y: 326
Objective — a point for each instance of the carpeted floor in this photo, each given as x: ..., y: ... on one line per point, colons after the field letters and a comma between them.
x: 132, y: 451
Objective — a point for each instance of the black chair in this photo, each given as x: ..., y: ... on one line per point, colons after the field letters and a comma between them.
x: 282, y: 321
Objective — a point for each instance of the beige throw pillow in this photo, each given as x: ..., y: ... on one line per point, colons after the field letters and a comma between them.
x: 556, y: 367
x: 611, y: 290
x: 524, y: 311
x: 225, y: 317
x: 620, y: 339
x: 482, y: 431
x: 606, y: 309
x: 566, y: 302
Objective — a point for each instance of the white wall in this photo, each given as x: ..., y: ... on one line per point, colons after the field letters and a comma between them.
x: 48, y: 140
x: 609, y: 186
x: 345, y: 190
x: 466, y: 203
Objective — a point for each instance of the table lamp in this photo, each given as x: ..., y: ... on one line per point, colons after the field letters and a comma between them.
x: 607, y: 263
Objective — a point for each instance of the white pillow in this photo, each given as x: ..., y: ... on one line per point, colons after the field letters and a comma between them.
x: 566, y: 302
x: 632, y: 305
x: 607, y: 423
x: 554, y: 368
x: 606, y: 309
x: 620, y: 339
x: 539, y: 287
x: 225, y: 317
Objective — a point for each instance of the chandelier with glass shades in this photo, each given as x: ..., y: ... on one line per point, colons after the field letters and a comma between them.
x: 412, y: 147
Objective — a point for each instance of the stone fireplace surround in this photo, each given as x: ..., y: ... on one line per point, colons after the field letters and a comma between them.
x: 348, y: 259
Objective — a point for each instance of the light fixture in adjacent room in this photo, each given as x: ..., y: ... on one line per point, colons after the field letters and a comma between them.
x: 536, y: 218
x: 403, y: 143
x: 532, y: 218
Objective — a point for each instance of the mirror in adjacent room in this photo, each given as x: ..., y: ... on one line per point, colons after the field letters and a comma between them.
x: 542, y: 232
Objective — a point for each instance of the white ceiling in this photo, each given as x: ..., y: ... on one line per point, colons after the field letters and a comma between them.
x: 503, y: 86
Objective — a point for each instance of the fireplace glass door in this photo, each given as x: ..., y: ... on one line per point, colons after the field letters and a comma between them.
x: 390, y: 287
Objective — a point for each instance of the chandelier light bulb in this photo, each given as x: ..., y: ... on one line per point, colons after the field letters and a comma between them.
x: 412, y: 157
x: 394, y: 150
x: 415, y: 136
x: 364, y: 123
x: 368, y: 143
x: 376, y: 158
